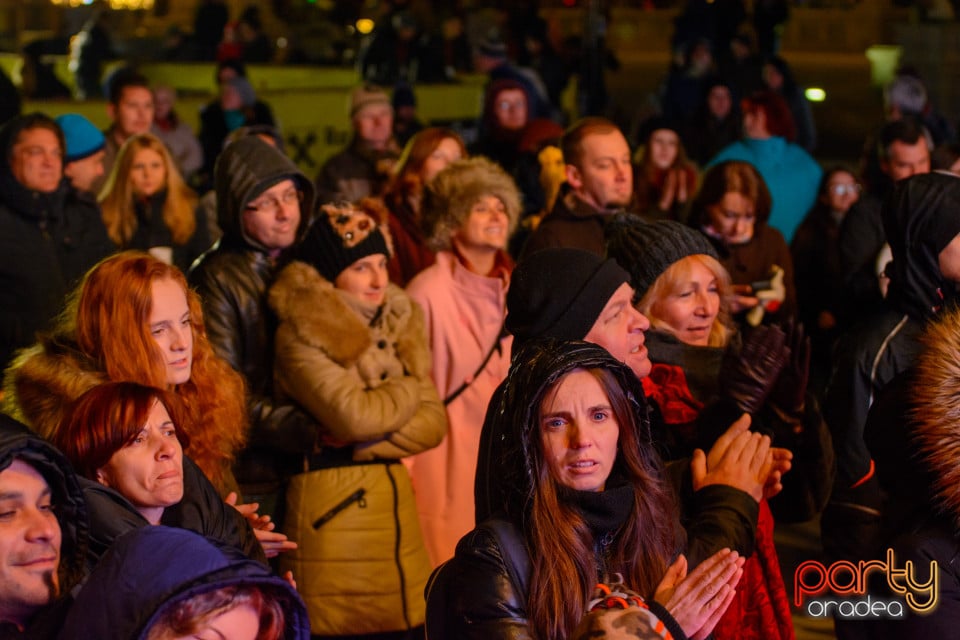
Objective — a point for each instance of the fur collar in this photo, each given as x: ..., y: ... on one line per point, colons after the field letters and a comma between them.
x: 43, y: 381
x: 936, y: 411
x: 310, y: 304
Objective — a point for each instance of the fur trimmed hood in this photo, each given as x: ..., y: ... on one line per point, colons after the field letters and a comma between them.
x: 320, y: 318
x: 43, y: 381
x: 936, y: 412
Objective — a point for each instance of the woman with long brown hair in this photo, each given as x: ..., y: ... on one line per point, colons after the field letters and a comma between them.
x: 587, y: 503
x: 146, y: 205
x: 134, y: 318
x: 426, y: 155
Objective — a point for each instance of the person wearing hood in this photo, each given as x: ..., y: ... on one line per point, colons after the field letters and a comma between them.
x: 921, y: 218
x: 45, y: 523
x: 264, y: 204
x: 792, y: 176
x: 569, y: 294
x: 914, y: 436
x: 50, y: 236
x: 352, y: 351
x: 186, y: 586
x: 587, y: 502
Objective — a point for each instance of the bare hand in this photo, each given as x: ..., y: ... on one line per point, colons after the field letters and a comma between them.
x: 739, y: 458
x: 249, y: 511
x: 273, y: 542
x: 288, y: 576
x: 781, y: 464
x: 696, y: 601
x: 742, y: 298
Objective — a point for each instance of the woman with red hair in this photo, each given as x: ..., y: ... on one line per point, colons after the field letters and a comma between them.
x: 133, y: 318
x: 426, y: 155
x: 792, y: 176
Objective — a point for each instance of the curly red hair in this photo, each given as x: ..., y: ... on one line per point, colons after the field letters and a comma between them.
x: 110, y: 313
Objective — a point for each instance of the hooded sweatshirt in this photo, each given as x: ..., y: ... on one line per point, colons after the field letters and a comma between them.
x: 232, y: 280
x: 156, y: 566
x: 48, y: 242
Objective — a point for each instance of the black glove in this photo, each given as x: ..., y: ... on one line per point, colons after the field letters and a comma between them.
x: 788, y: 395
x: 748, y: 377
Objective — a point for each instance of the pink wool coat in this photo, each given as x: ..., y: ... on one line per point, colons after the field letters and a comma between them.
x: 464, y: 316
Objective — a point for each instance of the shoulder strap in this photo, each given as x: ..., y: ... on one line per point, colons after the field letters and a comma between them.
x: 483, y: 365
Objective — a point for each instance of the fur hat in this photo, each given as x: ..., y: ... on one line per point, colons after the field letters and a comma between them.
x: 559, y: 293
x: 647, y: 249
x: 450, y: 196
x: 367, y: 95
x: 342, y: 234
x: 82, y: 138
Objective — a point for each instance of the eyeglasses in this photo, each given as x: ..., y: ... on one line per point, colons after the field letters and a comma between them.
x: 269, y: 204
x: 844, y: 189
x: 508, y: 105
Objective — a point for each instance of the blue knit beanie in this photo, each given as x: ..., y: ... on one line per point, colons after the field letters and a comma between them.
x: 82, y: 138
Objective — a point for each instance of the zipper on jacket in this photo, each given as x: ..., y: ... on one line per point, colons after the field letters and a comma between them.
x: 356, y: 496
x: 396, y: 546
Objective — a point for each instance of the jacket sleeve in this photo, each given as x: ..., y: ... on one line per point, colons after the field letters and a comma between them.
x: 424, y: 431
x: 337, y: 398
x: 715, y: 517
x: 281, y: 426
x: 481, y: 598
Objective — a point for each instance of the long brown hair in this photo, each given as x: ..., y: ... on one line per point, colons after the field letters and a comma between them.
x: 565, y: 562
x: 117, y: 197
x: 108, y: 315
x: 406, y: 182
x: 731, y: 176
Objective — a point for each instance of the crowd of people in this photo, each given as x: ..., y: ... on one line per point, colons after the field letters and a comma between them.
x: 550, y: 384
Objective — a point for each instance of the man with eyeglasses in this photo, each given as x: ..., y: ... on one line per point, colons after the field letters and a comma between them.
x: 264, y: 205
x: 48, y: 236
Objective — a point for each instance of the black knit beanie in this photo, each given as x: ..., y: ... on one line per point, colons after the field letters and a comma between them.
x: 341, y: 235
x: 559, y: 293
x: 647, y: 249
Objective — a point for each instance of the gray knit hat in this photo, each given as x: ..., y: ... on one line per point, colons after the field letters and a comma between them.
x: 647, y: 249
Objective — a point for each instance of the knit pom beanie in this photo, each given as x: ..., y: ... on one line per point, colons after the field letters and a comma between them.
x: 647, y: 249
x: 342, y: 234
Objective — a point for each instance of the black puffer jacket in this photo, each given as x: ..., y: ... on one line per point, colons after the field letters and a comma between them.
x: 18, y: 442
x: 482, y: 590
x: 232, y: 280
x: 202, y: 510
x: 156, y: 566
x: 48, y: 242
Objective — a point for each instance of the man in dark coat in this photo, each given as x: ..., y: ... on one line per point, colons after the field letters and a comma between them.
x: 49, y: 236
x: 264, y: 204
x: 43, y: 537
x: 363, y: 167
x: 921, y: 218
x: 599, y: 184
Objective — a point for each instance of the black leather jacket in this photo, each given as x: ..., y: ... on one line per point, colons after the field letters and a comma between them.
x: 232, y: 280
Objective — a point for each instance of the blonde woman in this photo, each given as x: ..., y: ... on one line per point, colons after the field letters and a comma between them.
x: 147, y: 206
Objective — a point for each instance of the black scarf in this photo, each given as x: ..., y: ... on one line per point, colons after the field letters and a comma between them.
x: 604, y: 511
